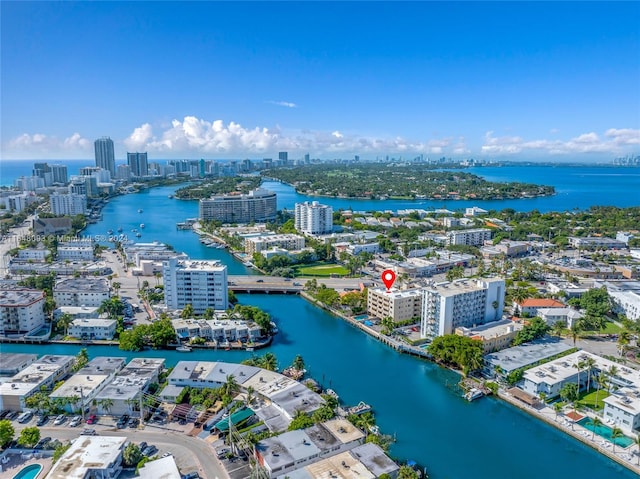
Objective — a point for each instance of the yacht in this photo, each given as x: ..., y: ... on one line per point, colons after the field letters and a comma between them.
x: 119, y: 229
x: 473, y: 394
x: 140, y: 210
x: 184, y: 349
x: 170, y: 197
x: 142, y: 225
x: 109, y: 232
x: 138, y: 235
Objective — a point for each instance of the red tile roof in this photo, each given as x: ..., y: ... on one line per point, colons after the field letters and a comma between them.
x: 541, y: 303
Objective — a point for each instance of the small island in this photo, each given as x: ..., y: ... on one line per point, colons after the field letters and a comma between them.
x: 401, y: 181
x: 218, y: 186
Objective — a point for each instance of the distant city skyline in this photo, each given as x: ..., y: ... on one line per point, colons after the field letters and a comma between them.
x: 545, y: 81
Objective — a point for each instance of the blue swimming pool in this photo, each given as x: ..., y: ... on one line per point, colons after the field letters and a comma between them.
x: 605, y: 432
x: 29, y: 472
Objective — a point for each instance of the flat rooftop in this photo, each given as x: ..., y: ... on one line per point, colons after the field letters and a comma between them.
x: 80, y: 382
x: 93, y: 322
x: 201, y: 265
x: 82, y: 284
x: 19, y: 297
x: 526, y: 354
x: 11, y: 363
x: 103, y: 365
x: 164, y: 468
x: 87, y: 453
x: 398, y: 293
x: 343, y: 430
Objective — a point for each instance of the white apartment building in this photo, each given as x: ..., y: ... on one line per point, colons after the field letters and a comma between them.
x: 216, y: 330
x: 21, y: 311
x: 86, y: 291
x: 263, y: 243
x: 45, y: 371
x: 589, y: 242
x: 399, y: 305
x: 627, y: 303
x: 34, y: 254
x: 468, y: 303
x: 568, y: 316
x: 495, y: 336
x: 76, y: 251
x: 68, y: 205
x: 258, y: 205
x: 90, y: 457
x: 313, y: 218
x: 93, y: 328
x: 474, y: 237
x: 203, y: 284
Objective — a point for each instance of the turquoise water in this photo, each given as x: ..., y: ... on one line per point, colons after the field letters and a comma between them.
x: 29, y: 472
x: 605, y: 432
x: 413, y: 399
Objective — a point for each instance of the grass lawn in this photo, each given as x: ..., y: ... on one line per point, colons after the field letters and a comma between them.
x: 589, y: 399
x: 322, y: 269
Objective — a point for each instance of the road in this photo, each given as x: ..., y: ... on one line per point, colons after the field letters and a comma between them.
x: 10, y: 241
x: 190, y: 453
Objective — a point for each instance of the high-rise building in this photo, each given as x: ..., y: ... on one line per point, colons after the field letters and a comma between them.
x: 399, y: 305
x: 258, y: 205
x: 21, y: 311
x: 447, y: 306
x: 60, y: 174
x: 105, y: 157
x: 283, y: 156
x: 475, y: 237
x: 43, y: 170
x: 68, y: 205
x: 313, y: 218
x: 138, y: 163
x: 202, y: 284
x: 123, y: 172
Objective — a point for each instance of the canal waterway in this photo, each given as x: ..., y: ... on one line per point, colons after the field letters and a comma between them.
x: 413, y: 399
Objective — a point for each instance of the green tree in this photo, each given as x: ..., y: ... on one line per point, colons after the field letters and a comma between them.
x: 557, y: 407
x: 596, y: 422
x: 29, y: 436
x: 82, y: 358
x: 300, y: 421
x: 131, y: 455
x: 406, y: 472
x: 59, y: 451
x: 231, y: 386
x: 106, y: 404
x: 187, y: 312
x: 209, y: 313
x: 269, y: 361
x: 298, y: 363
x: 7, y: 432
x: 63, y: 322
x: 616, y: 432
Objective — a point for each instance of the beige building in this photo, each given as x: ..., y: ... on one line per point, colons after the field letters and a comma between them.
x: 399, y: 305
x: 494, y: 336
x: 21, y: 311
x: 262, y: 243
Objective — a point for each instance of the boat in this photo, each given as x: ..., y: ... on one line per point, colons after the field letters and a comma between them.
x: 140, y: 210
x: 274, y: 328
x: 361, y: 408
x: 109, y: 232
x: 142, y: 225
x: 138, y: 235
x: 184, y: 349
x: 332, y: 393
x: 473, y: 394
x: 170, y: 197
x: 119, y: 229
x: 249, y: 349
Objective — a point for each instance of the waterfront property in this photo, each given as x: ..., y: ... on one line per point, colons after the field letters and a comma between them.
x: 46, y: 371
x: 221, y: 331
x: 399, y: 305
x: 90, y: 456
x: 93, y: 328
x: 21, y: 311
x: 76, y: 250
x: 296, y: 449
x: 12, y: 363
x: 258, y: 244
x: 365, y: 461
x: 495, y: 336
x: 502, y: 363
x: 446, y: 306
x: 202, y: 284
x: 81, y: 292
x: 257, y: 205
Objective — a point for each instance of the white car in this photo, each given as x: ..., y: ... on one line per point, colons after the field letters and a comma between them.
x: 75, y: 422
x: 59, y: 420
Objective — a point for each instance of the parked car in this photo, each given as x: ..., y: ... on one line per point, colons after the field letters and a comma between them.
x: 149, y: 451
x: 25, y: 417
x: 76, y: 421
x: 143, y: 445
x: 42, y: 420
x: 12, y: 415
x: 133, y: 422
x: 89, y: 432
x: 59, y: 420
x: 42, y: 442
x: 191, y: 475
x: 4, y: 413
x: 92, y: 419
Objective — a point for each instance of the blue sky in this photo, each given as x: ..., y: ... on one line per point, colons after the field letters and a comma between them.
x: 544, y: 80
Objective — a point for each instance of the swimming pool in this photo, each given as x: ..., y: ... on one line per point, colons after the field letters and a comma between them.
x: 29, y: 472
x: 605, y: 431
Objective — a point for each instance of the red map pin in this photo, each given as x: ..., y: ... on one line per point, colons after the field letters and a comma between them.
x: 388, y: 278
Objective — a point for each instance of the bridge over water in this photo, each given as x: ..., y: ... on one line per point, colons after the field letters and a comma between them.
x: 279, y: 285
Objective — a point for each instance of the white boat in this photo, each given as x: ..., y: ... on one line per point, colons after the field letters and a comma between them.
x: 473, y: 394
x: 142, y: 225
x: 170, y: 197
x: 140, y: 210
x: 332, y: 393
x: 138, y: 235
x: 184, y: 349
x: 361, y: 408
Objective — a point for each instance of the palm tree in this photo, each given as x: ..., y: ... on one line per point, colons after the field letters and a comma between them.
x: 575, y: 333
x: 616, y: 432
x: 579, y: 366
x: 158, y: 275
x: 595, y: 422
x: 269, y: 361
x: 231, y: 387
x: 557, y: 407
x: 589, y: 364
x: 106, y: 404
x: 116, y: 286
x: 249, y: 397
x: 298, y: 363
x: 624, y: 338
x: 602, y: 382
x: 64, y: 322
x: 558, y: 328
x: 636, y: 441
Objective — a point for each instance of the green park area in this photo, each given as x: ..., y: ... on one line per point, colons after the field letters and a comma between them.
x: 321, y: 269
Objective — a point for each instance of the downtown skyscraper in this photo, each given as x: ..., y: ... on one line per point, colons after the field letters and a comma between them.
x: 105, y: 157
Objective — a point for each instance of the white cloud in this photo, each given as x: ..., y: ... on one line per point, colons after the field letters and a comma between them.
x: 624, y: 136
x: 287, y: 104
x: 41, y: 145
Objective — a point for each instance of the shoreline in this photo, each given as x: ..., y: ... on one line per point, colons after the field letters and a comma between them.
x: 501, y: 394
